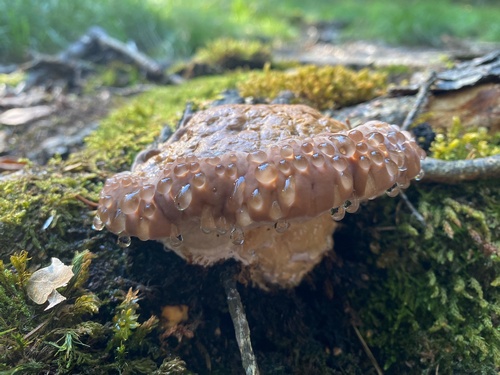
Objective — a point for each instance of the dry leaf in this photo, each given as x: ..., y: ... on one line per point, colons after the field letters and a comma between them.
x: 43, y: 283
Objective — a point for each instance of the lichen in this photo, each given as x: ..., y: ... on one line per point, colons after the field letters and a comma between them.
x: 458, y: 143
x: 320, y: 87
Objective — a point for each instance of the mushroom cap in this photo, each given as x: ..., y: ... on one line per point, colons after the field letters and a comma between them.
x: 257, y: 183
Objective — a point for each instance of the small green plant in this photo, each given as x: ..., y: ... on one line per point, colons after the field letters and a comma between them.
x: 459, y: 143
x: 30, y: 337
x: 321, y: 87
x: 68, y: 338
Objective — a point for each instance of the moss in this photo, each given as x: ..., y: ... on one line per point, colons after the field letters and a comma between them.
x: 229, y: 53
x: 459, y: 143
x: 136, y: 125
x: 433, y: 300
x: 69, y: 338
x: 12, y: 79
x: 42, y: 208
x: 321, y: 87
x: 46, y: 211
x: 114, y: 74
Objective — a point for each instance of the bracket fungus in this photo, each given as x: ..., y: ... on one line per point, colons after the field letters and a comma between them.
x: 257, y: 183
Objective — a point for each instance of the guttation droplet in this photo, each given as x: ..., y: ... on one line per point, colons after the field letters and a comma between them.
x: 237, y: 236
x: 393, y: 191
x: 124, y: 241
x: 176, y: 241
x: 184, y: 197
x: 351, y: 205
x: 337, y: 213
x: 281, y: 226
x: 420, y: 175
x: 97, y: 223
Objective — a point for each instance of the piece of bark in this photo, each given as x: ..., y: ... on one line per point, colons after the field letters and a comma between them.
x: 24, y: 99
x: 391, y: 110
x: 477, y: 106
x: 21, y: 116
x: 482, y: 69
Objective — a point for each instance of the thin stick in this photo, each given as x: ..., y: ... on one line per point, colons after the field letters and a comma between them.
x: 89, y: 203
x: 452, y: 172
x: 368, y: 351
x: 423, y: 92
x: 240, y: 323
x: 413, y: 210
x: 152, y: 68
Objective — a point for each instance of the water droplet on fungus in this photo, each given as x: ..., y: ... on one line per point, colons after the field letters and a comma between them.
x: 199, y: 180
x: 180, y: 170
x: 266, y: 173
x: 339, y: 163
x: 237, y: 236
x: 337, y: 213
x: 124, y: 241
x: 351, y: 205
x: 164, y: 185
x: 281, y: 225
x: 393, y: 190
x: 131, y: 202
x: 420, y: 175
x: 287, y: 194
x: 257, y: 157
x: 300, y: 162
x: 207, y: 221
x: 97, y: 223
x: 147, y: 192
x: 355, y: 135
x: 184, y: 197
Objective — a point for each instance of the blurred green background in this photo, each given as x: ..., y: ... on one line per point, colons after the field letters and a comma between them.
x: 174, y: 29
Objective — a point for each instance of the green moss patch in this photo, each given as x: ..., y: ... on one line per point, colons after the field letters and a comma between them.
x: 459, y: 143
x: 433, y: 299
x: 325, y: 87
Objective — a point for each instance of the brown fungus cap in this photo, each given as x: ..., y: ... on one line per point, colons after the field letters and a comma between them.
x: 258, y: 183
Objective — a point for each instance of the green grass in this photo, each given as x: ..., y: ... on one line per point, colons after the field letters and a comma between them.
x: 175, y: 28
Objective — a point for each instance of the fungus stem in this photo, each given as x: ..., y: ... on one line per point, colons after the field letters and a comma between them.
x: 240, y: 323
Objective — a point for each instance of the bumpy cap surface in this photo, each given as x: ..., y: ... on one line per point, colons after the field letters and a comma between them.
x: 258, y: 183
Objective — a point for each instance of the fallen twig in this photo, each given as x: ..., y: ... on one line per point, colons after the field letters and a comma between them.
x: 367, y: 350
x: 240, y: 323
x: 422, y: 95
x: 152, y: 68
x: 88, y: 202
x: 413, y: 210
x: 452, y: 172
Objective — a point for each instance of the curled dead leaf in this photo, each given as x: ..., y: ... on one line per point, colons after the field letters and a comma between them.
x: 43, y: 283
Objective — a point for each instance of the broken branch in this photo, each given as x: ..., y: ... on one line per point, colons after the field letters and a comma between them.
x: 452, y: 172
x: 422, y: 95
